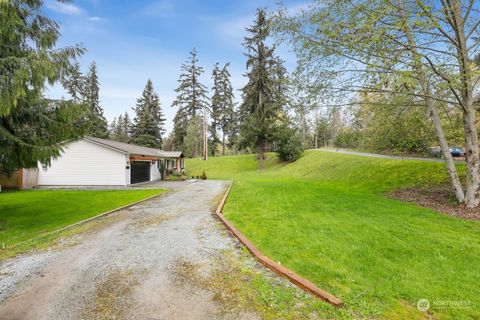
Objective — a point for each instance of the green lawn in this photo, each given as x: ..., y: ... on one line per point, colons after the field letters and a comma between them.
x: 326, y: 217
x: 26, y: 215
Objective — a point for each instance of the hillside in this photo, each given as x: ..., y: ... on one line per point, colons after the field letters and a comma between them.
x: 374, y: 174
x: 326, y: 217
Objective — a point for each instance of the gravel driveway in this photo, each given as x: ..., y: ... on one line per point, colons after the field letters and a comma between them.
x: 133, y: 266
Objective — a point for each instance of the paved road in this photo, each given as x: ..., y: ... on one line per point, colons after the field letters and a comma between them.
x: 375, y: 155
x: 131, y: 267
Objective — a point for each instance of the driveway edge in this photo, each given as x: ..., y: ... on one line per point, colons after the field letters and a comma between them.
x: 272, y: 265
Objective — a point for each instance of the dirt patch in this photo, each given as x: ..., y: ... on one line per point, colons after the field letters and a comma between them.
x: 242, y: 287
x: 151, y: 221
x: 113, y: 296
x: 439, y: 199
x: 216, y: 201
x: 226, y: 290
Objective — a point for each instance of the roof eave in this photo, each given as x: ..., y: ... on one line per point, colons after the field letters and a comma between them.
x: 106, y: 146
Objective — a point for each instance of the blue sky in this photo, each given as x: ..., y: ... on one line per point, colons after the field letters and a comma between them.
x: 132, y: 41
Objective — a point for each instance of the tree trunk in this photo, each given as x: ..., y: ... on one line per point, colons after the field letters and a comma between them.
x: 316, y: 130
x: 303, y: 122
x: 223, y: 143
x: 260, y: 143
x: 447, y: 156
x: 469, y: 117
x: 261, y: 156
x: 433, y: 111
x: 471, y: 158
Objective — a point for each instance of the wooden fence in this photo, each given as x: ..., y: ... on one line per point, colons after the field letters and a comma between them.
x: 20, y: 179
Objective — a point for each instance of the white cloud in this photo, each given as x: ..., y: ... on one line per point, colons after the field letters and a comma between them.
x: 94, y: 18
x: 65, y: 8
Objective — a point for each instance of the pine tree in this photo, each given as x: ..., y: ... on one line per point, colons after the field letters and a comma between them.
x: 32, y: 127
x: 97, y: 121
x: 216, y: 108
x: 126, y: 127
x: 193, y: 140
x: 227, y: 122
x: 148, y: 124
x: 74, y: 83
x: 223, y: 107
x: 261, y: 105
x: 113, y: 128
x: 191, y: 100
x: 180, y: 123
x: 120, y: 127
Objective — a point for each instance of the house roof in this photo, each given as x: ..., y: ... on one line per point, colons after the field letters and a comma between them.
x: 134, y: 149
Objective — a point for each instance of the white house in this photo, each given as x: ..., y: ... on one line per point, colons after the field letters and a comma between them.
x: 93, y: 161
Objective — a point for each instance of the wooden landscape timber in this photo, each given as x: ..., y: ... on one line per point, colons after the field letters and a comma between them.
x: 272, y: 265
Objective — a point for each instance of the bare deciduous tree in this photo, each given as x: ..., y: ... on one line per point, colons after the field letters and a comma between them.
x: 418, y: 48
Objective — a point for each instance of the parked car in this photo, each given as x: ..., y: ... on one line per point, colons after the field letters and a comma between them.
x: 457, y: 152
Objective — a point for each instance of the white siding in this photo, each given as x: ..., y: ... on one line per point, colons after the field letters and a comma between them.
x: 85, y: 163
x: 128, y: 173
x: 154, y: 172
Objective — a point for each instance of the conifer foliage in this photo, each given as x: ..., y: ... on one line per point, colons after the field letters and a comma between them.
x: 85, y: 90
x: 96, y: 119
x: 191, y: 101
x: 149, y: 122
x: 263, y: 102
x: 31, y: 126
x: 223, y: 107
x: 120, y: 127
x: 73, y: 82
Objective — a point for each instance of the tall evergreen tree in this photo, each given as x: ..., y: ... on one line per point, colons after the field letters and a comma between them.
x: 223, y: 107
x: 74, y: 83
x: 227, y: 122
x: 180, y: 123
x: 31, y: 126
x: 193, y: 141
x: 191, y: 100
x: 148, y: 124
x: 216, y: 108
x: 126, y: 127
x: 261, y: 104
x: 120, y: 127
x: 113, y: 128
x: 97, y: 121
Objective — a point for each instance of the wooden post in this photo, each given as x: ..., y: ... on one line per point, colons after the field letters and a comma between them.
x: 20, y: 178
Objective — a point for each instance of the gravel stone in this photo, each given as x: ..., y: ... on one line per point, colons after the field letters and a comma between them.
x: 124, y: 270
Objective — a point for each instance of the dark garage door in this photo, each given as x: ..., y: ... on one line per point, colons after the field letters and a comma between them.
x: 139, y: 171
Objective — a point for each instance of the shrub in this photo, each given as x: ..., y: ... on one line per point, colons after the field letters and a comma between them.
x: 290, y: 145
x: 204, y: 176
x: 162, y: 170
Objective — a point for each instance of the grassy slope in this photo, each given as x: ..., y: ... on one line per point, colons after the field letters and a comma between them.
x: 325, y: 217
x: 28, y: 214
